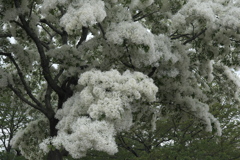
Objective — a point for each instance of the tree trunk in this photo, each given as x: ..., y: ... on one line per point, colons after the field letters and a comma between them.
x: 54, y: 154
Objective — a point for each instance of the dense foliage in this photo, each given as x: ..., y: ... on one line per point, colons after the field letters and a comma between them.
x: 95, y: 69
x: 12, y: 118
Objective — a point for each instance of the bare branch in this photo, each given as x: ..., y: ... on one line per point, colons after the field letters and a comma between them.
x: 121, y: 139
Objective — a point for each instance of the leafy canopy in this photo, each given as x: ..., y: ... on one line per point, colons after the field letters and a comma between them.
x: 95, y: 68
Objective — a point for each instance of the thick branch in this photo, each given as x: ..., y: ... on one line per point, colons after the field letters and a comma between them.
x: 5, y: 35
x: 102, y: 30
x: 44, y: 60
x: 63, y: 33
x: 48, y: 97
x: 5, y: 54
x: 51, y: 26
x: 152, y: 72
x: 83, y: 36
x: 26, y: 87
x: 20, y: 95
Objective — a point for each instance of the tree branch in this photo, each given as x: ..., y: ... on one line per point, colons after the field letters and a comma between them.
x: 47, y: 99
x: 145, y: 15
x: 62, y: 33
x: 5, y: 35
x: 152, y: 72
x: 187, y: 36
x: 25, y: 85
x: 51, y: 26
x: 43, y: 58
x: 5, y: 54
x: 102, y: 30
x: 83, y: 36
x: 20, y: 95
x: 121, y: 139
x: 195, y: 36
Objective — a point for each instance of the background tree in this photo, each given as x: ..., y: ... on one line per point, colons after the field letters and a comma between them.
x: 142, y: 56
x: 13, y: 117
x: 184, y: 139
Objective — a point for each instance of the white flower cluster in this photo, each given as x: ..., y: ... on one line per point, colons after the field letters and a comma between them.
x: 27, y: 140
x: 117, y: 13
x: 214, y: 15
x: 194, y: 11
x: 145, y: 48
x: 49, y: 4
x: 91, y: 118
x: 83, y: 13
x: 128, y: 86
x: 84, y: 134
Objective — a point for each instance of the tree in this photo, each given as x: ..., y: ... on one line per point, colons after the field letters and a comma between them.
x: 184, y: 139
x: 12, y: 118
x: 142, y: 57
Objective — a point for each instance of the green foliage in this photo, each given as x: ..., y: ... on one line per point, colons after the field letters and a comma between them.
x: 10, y: 156
x: 180, y: 139
x: 13, y: 116
x: 187, y: 141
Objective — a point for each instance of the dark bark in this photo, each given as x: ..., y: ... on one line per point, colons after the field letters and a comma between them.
x: 54, y: 154
x: 83, y: 36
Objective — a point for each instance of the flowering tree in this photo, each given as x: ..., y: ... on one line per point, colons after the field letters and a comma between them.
x: 93, y: 68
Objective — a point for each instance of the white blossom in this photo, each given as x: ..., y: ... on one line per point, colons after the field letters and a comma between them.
x: 83, y: 13
x: 85, y: 134
x: 28, y: 140
x: 106, y: 99
x: 145, y: 44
